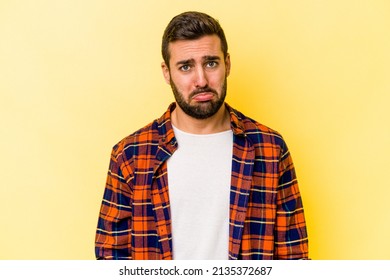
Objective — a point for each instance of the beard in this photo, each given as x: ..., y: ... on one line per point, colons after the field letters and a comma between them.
x: 201, y: 110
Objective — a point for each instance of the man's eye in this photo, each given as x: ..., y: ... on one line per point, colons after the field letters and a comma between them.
x: 185, y: 68
x: 211, y: 64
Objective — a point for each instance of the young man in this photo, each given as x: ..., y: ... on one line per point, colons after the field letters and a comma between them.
x: 203, y: 181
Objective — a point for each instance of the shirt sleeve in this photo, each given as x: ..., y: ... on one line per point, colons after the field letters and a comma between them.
x: 113, y: 234
x: 291, y: 240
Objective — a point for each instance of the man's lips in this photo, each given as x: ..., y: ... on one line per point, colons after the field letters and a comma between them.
x: 203, y: 96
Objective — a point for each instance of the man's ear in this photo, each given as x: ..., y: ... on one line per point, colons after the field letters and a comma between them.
x: 166, y: 74
x: 227, y: 64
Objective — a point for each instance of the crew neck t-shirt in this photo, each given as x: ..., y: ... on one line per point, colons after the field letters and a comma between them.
x: 199, y: 179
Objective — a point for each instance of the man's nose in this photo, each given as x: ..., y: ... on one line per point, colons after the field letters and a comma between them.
x: 200, y: 78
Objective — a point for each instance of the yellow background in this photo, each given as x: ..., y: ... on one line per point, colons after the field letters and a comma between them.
x: 78, y: 76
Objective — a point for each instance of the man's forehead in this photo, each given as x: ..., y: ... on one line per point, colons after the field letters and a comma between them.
x: 203, y: 47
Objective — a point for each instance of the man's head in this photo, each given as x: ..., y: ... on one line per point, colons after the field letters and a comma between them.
x: 196, y: 63
x: 191, y: 26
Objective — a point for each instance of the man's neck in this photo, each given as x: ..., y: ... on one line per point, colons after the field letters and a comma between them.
x: 219, y: 122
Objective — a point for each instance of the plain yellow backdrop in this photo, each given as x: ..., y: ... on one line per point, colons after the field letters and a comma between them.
x: 78, y: 76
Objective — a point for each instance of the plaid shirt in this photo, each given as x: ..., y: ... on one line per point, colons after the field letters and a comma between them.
x: 266, y: 213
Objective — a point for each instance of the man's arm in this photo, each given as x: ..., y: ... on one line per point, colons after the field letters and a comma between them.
x: 113, y: 234
x: 290, y: 233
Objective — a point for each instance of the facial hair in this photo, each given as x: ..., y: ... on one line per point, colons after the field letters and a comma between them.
x: 201, y: 110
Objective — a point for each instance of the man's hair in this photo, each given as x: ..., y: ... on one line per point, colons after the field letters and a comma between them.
x: 191, y: 26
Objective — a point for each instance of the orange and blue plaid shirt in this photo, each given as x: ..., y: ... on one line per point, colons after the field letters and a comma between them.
x: 266, y: 213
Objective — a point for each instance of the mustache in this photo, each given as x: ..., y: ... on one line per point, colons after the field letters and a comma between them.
x: 202, y: 90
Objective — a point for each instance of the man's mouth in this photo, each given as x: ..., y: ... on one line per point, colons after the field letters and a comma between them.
x: 204, y: 96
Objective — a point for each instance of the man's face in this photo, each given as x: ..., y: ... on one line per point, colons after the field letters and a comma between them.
x: 197, y: 73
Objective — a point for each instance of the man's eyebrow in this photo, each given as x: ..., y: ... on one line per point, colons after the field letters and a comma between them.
x: 184, y: 62
x: 211, y: 57
x: 191, y: 61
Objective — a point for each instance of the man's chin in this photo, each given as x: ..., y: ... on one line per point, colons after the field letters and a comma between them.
x: 203, y: 110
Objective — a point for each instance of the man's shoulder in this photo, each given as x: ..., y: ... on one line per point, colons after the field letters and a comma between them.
x: 144, y: 141
x: 257, y: 130
x: 147, y: 135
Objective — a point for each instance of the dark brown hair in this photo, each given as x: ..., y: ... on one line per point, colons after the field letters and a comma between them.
x: 191, y: 26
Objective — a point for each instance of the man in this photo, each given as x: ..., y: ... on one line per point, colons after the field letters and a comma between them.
x: 203, y: 181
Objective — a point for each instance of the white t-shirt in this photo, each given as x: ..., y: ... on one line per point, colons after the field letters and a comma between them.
x: 199, y: 179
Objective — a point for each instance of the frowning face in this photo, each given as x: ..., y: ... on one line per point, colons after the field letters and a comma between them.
x: 197, y: 73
